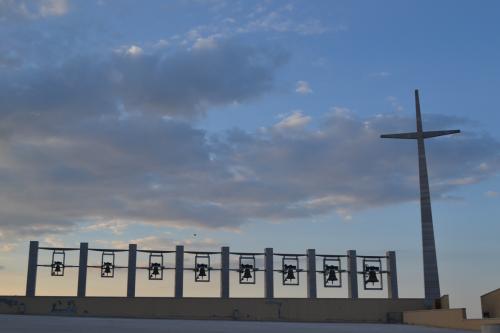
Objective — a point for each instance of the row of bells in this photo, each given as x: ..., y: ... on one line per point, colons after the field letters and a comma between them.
x: 247, y: 273
x: 246, y: 269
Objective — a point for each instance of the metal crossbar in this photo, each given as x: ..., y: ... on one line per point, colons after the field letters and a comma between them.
x: 155, y: 251
x: 203, y: 252
x: 247, y: 253
x: 109, y: 250
x: 291, y: 254
x: 372, y: 257
x: 59, y: 248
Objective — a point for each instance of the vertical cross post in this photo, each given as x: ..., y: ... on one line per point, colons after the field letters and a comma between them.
x: 269, y: 273
x: 82, y: 270
x: 224, y: 273
x: 392, y: 275
x: 352, y: 268
x: 32, y: 268
x: 179, y: 271
x: 132, y: 268
x: 311, y: 274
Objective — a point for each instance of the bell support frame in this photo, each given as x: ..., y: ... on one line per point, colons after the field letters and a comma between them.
x: 291, y: 264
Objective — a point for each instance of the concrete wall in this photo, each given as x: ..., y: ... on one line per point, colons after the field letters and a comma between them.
x: 446, y: 318
x: 316, y: 310
x: 490, y: 303
x: 442, y: 303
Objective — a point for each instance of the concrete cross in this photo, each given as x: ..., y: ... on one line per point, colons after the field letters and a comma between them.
x: 431, y: 276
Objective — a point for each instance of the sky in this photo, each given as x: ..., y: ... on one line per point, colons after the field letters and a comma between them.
x: 250, y: 124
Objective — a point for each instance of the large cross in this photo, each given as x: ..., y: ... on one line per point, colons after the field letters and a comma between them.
x: 431, y: 276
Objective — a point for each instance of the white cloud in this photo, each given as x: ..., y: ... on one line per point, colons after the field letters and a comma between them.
x: 492, y: 194
x: 134, y: 51
x: 313, y: 27
x: 183, y: 83
x: 463, y: 181
x: 67, y: 141
x: 303, y: 88
x: 484, y: 167
x: 342, y: 112
x: 344, y: 214
x: 158, y: 242
x: 280, y: 20
x: 380, y: 74
x: 53, y: 241
x: 22, y: 9
x: 205, y: 43
x: 395, y: 103
x: 115, y: 226
x: 296, y: 120
x: 53, y: 7
x: 104, y: 170
x: 162, y: 43
x: 7, y: 247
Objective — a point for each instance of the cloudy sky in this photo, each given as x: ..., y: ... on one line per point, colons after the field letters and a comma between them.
x: 251, y: 124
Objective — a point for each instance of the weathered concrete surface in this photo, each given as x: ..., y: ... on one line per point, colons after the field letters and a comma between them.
x: 279, y: 309
x: 51, y: 324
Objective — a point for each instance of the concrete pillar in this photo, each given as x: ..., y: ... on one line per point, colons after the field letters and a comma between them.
x: 32, y: 268
x: 179, y: 271
x: 269, y: 273
x: 392, y: 275
x: 311, y: 274
x: 82, y: 269
x: 224, y: 272
x: 132, y: 269
x: 352, y: 268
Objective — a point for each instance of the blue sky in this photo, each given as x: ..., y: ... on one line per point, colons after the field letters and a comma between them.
x: 250, y: 124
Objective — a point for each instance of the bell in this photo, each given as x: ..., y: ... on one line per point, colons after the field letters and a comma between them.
x: 332, y: 277
x: 156, y: 269
x: 247, y: 273
x: 290, y: 272
x: 372, y: 275
x: 107, y: 268
x: 57, y: 266
x: 202, y: 270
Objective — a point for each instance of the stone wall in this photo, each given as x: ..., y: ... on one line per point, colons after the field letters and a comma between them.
x: 490, y: 304
x: 279, y: 309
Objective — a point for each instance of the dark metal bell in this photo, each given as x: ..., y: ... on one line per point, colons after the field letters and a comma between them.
x: 202, y: 270
x: 372, y: 277
x: 332, y: 277
x: 156, y: 269
x: 57, y: 267
x: 247, y: 274
x: 107, y: 267
x: 290, y: 274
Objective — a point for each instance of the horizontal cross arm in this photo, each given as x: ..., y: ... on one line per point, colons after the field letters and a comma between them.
x: 414, y: 135
x: 433, y: 134
x: 410, y: 135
